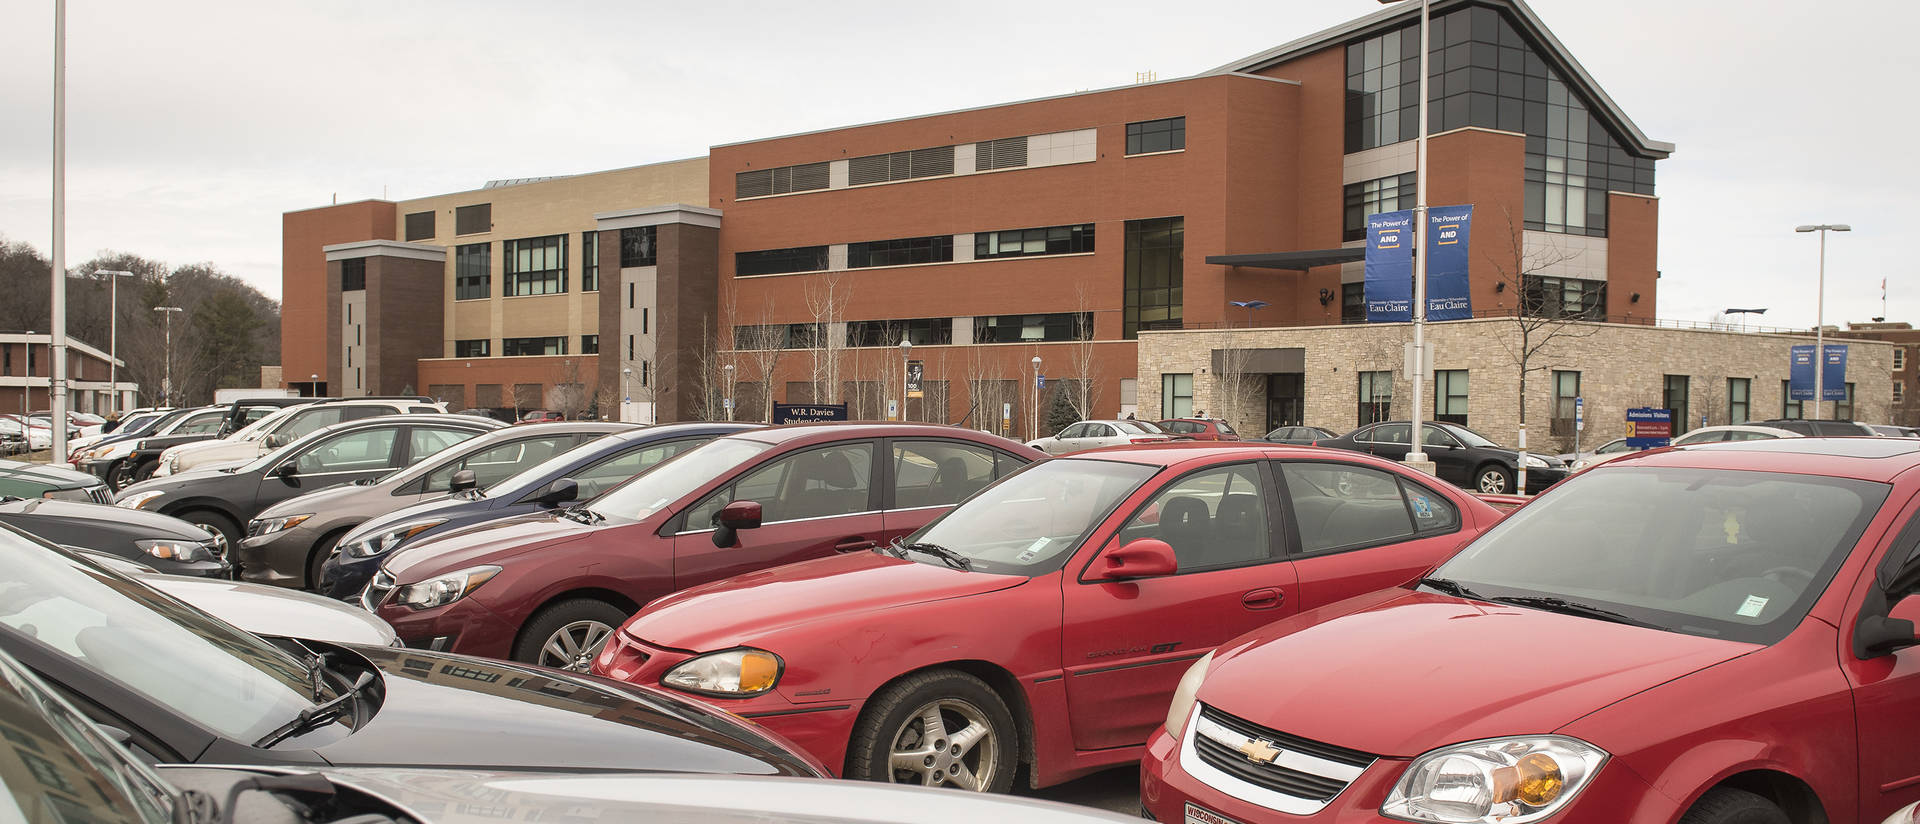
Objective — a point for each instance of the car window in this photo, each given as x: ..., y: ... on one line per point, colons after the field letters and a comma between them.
x: 1750, y: 436
x: 1224, y: 428
x: 419, y: 409
x: 355, y: 451
x: 1098, y: 430
x: 1613, y: 446
x: 817, y: 483
x: 201, y: 424
x: 938, y: 473
x: 309, y: 421
x: 356, y: 413
x: 495, y: 464
x: 1433, y: 436
x: 254, y: 413
x: 602, y: 476
x: 1341, y: 505
x: 1177, y: 427
x: 1699, y: 437
x: 1073, y: 431
x: 1388, y: 433
x: 427, y: 440
x: 1212, y: 518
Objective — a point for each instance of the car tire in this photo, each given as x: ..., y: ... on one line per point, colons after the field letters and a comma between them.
x: 321, y: 552
x: 890, y: 742
x: 568, y: 635
x: 117, y: 475
x: 145, y: 471
x: 1726, y: 805
x: 1493, y: 479
x: 211, y: 520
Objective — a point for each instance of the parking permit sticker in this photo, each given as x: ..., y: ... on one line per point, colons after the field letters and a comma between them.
x: 1032, y: 550
x: 1421, y: 507
x: 1752, y: 607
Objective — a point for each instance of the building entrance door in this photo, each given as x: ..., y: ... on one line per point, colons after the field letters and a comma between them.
x: 1286, y: 399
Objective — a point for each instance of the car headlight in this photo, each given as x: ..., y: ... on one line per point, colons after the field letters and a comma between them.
x: 172, y: 550
x: 139, y: 500
x: 268, y: 526
x: 386, y: 541
x: 445, y: 589
x: 1182, y: 705
x: 67, y: 495
x: 1509, y: 780
x: 1533, y: 462
x: 734, y: 673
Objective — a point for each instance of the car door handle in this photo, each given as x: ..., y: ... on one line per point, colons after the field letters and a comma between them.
x: 854, y: 544
x: 1263, y: 599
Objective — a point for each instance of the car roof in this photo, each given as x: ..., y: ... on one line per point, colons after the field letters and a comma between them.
x: 1865, y: 458
x: 484, y: 424
x: 536, y: 429
x: 668, y: 430
x: 836, y: 430
x: 1743, y: 427
x: 1180, y: 452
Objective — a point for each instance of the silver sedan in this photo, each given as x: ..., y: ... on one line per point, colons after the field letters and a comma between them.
x: 1096, y: 434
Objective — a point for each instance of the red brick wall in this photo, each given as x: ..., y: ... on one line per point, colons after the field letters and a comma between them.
x: 1486, y: 169
x: 303, y: 275
x: 1633, y: 233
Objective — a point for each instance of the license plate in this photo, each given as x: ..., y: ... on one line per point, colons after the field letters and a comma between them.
x: 1197, y: 814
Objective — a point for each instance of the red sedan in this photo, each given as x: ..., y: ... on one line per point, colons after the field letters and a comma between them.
x: 548, y: 588
x: 1200, y: 429
x: 1047, y: 619
x: 1720, y: 634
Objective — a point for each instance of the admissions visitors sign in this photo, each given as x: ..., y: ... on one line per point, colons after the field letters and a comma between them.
x: 1648, y: 427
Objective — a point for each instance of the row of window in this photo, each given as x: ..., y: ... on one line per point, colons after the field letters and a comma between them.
x: 1039, y: 328
x: 538, y: 265
x: 510, y: 347
x: 1540, y: 296
x: 1045, y: 240
x: 467, y: 220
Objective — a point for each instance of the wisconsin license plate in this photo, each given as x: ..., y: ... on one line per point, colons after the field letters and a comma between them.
x: 1201, y: 815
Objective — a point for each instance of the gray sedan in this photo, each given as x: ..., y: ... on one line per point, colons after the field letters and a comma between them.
x: 1096, y: 434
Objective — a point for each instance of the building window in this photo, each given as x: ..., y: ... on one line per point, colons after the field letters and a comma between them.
x: 1047, y: 240
x: 1383, y: 89
x: 1059, y: 326
x: 1675, y: 397
x: 420, y: 226
x: 472, y: 348
x: 1176, y: 396
x: 901, y: 252
x: 1376, y: 397
x: 1005, y: 153
x: 646, y: 315
x: 922, y: 331
x: 353, y: 275
x: 589, y: 261
x: 1566, y: 388
x: 646, y: 373
x: 1843, y: 409
x: 779, y: 336
x: 589, y: 344
x: 1789, y: 408
x: 472, y: 220
x: 536, y: 265
x: 637, y: 246
x: 781, y: 180
x: 1450, y: 396
x: 473, y: 271
x: 533, y: 346
x: 1353, y: 303
x: 629, y: 347
x: 1899, y: 391
x: 908, y: 165
x: 1153, y: 275
x: 1149, y: 136
x: 1739, y: 400
x: 1386, y: 194
x: 780, y: 261
x: 1572, y: 298
x: 1899, y: 358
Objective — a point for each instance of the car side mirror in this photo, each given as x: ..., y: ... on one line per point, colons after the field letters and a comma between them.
x: 1142, y: 558
x: 286, y: 471
x: 463, y: 480
x: 1877, y: 633
x: 557, y: 493
x: 732, y: 518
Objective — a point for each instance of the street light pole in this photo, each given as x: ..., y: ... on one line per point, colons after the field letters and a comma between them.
x: 113, y: 332
x: 57, y: 346
x: 1820, y: 315
x: 1033, y: 422
x: 729, y: 379
x: 626, y: 391
x: 166, y: 386
x: 906, y: 351
x: 1418, y: 455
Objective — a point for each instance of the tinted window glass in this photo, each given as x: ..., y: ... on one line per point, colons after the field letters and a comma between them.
x: 350, y: 452
x: 601, y: 476
x: 646, y: 494
x: 1212, y: 518
x: 1388, y: 433
x: 936, y: 473
x: 425, y: 441
x: 1342, y: 505
x: 308, y: 421
x: 493, y: 465
x: 200, y: 424
x: 813, y: 484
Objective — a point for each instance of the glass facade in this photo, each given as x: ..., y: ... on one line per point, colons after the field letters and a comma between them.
x: 1057, y: 326
x: 1154, y: 275
x: 780, y: 261
x: 900, y: 252
x: 1046, y: 240
x: 477, y: 348
x: 637, y: 246
x: 1149, y: 136
x: 1546, y: 297
x: 1450, y: 396
x: 533, y: 346
x: 922, y: 331
x: 536, y: 265
x: 1386, y: 194
x: 473, y: 272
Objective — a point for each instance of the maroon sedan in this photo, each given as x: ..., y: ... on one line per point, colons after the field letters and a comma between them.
x: 549, y: 588
x: 1200, y: 429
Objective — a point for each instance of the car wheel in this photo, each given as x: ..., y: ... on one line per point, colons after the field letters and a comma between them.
x: 938, y: 729
x: 321, y: 552
x: 1726, y: 805
x: 145, y: 471
x: 212, y: 521
x: 1493, y: 479
x: 117, y: 475
x: 569, y: 634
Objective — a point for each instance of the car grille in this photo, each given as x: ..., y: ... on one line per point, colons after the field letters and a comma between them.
x: 377, y: 590
x: 100, y: 494
x: 216, y: 543
x: 1295, y: 775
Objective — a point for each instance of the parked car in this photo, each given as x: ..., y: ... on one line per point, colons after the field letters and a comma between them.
x: 1048, y: 618
x: 339, y: 454
x: 549, y: 588
x: 36, y: 437
x: 188, y: 688
x: 1739, y: 649
x: 1616, y: 446
x: 1460, y: 455
x: 1199, y: 429
x: 166, y: 544
x: 285, y: 427
x: 112, y: 458
x: 1704, y: 434
x: 1890, y: 431
x: 1096, y: 434
x: 144, y: 461
x: 542, y: 415
x: 275, y: 611
x: 1300, y: 435
x: 592, y: 467
x: 32, y: 480
x: 287, y: 542
x: 1826, y: 429
x: 132, y: 421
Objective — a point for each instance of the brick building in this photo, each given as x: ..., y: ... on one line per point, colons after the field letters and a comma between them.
x: 1905, y: 372
x: 26, y: 363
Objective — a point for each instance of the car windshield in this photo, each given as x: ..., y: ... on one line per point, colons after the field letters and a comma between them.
x: 1467, y: 436
x: 71, y: 771
x: 1717, y: 553
x: 262, y: 427
x: 223, y: 678
x: 646, y: 494
x: 1030, y: 522
x: 1143, y: 427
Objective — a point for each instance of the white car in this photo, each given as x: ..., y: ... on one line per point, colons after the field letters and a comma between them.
x: 38, y: 437
x: 1705, y: 434
x: 279, y: 429
x: 1096, y: 434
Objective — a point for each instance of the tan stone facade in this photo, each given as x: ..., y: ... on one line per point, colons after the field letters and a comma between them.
x: 1620, y: 366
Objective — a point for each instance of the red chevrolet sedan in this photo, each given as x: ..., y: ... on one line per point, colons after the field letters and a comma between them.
x: 1718, y: 634
x: 548, y: 588
x: 1047, y: 619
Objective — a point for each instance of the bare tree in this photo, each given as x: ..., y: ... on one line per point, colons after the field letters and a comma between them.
x: 569, y: 391
x: 1080, y: 356
x: 1232, y: 386
x: 986, y: 392
x: 827, y: 295
x: 1538, y: 322
x: 761, y: 346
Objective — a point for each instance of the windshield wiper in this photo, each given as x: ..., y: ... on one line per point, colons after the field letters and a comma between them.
x: 312, y: 717
x: 946, y: 556
x: 1450, y: 587
x: 1564, y: 606
x: 582, y: 514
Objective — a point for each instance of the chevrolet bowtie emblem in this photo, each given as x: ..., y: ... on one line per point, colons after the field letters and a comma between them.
x: 1260, y: 752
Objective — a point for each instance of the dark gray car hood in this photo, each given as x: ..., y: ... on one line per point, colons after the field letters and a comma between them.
x: 102, y: 516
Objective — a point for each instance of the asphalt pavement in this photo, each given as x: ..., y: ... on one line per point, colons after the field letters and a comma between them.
x: 1116, y: 790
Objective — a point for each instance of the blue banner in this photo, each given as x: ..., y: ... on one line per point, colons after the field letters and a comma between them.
x: 1833, y: 375
x: 1389, y: 279
x: 1649, y: 427
x: 1448, y: 230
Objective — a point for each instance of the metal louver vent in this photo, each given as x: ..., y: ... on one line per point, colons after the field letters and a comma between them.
x: 900, y: 165
x: 930, y: 162
x: 757, y: 183
x: 780, y: 180
x: 869, y: 169
x: 809, y: 176
x: 1005, y: 153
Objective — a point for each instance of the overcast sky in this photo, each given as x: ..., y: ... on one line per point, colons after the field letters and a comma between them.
x: 193, y: 125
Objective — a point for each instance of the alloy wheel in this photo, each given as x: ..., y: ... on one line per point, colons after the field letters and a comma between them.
x: 946, y: 743
x: 573, y: 646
